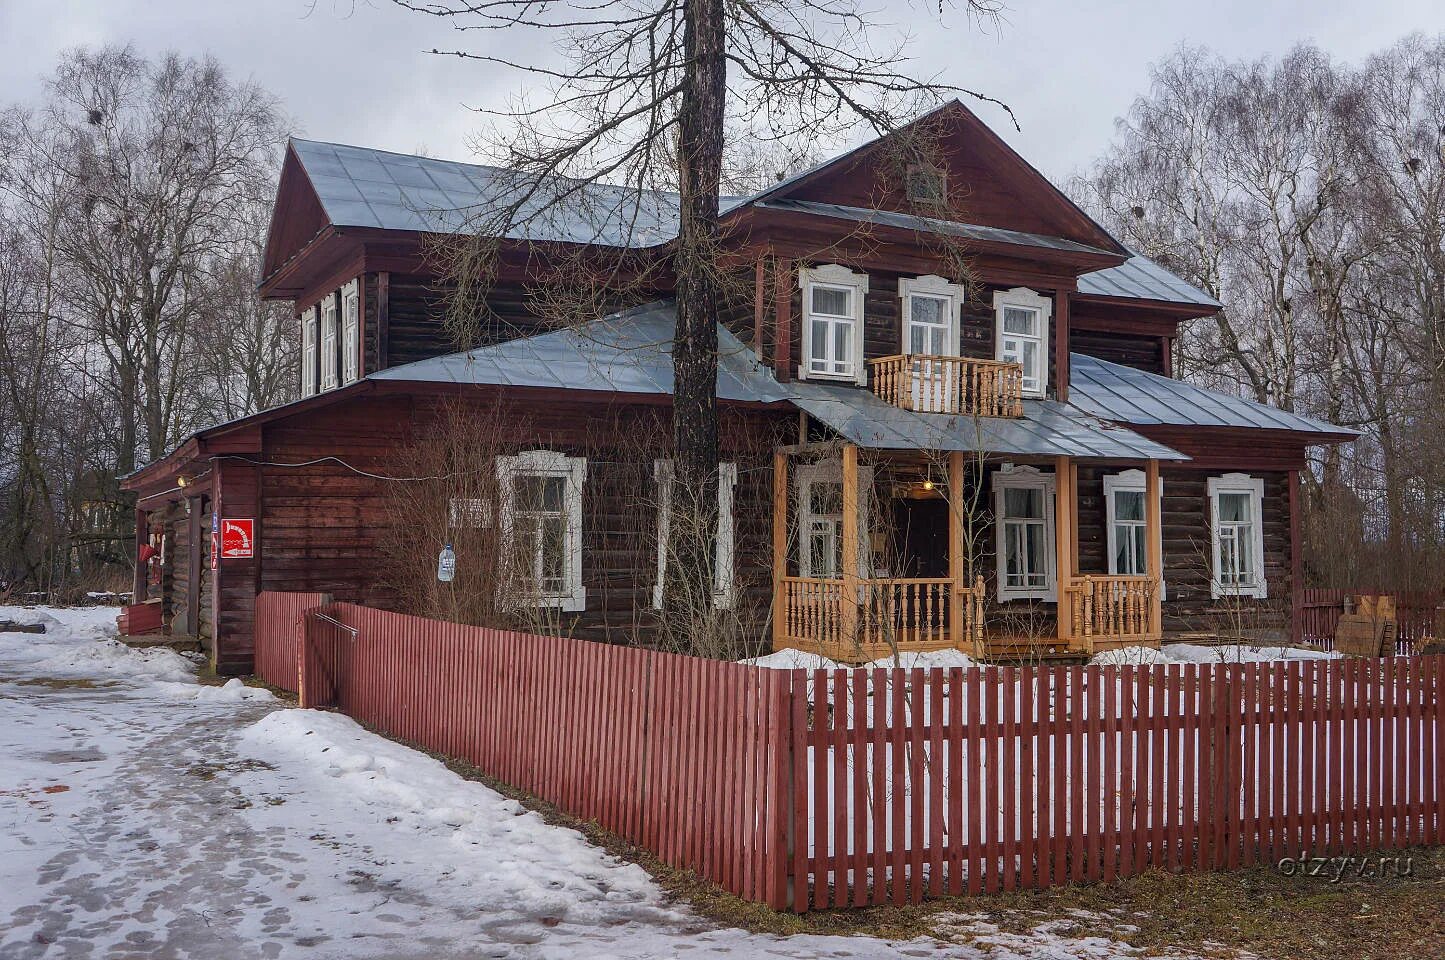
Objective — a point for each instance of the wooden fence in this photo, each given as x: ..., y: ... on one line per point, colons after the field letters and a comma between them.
x: 279, y: 618
x: 1320, y: 610
x: 806, y: 790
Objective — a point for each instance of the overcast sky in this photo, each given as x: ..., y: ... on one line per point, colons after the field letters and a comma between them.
x: 357, y: 72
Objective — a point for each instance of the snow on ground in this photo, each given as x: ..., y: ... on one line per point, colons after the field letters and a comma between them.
x: 142, y: 815
x: 1199, y: 653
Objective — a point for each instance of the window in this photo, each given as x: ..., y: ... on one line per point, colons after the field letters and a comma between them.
x: 820, y: 519
x: 308, y: 352
x: 328, y: 342
x: 1124, y: 507
x: 1024, y: 517
x: 930, y: 329
x: 1021, y: 318
x: 925, y: 184
x: 1236, y: 504
x: 350, y: 333
x: 722, y: 582
x: 541, y: 493
x: 832, y: 323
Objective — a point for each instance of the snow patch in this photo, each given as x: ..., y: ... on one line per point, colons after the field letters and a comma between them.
x: 794, y: 659
x: 926, y: 660
x: 232, y: 691
x: 1199, y: 653
x: 79, y: 642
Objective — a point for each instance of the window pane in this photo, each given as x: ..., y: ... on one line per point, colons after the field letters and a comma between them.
x: 1023, y: 503
x: 827, y: 499
x: 918, y: 340
x: 820, y: 340
x: 1035, y: 557
x: 1234, y: 507
x: 929, y: 310
x: 1140, y: 561
x: 1129, y: 505
x: 1122, y: 551
x: 1020, y: 320
x: 1014, y: 554
x: 831, y: 300
x: 842, y: 349
x: 554, y: 553
x: 1030, y: 358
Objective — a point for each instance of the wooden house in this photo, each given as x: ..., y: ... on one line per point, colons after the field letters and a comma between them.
x: 1005, y: 466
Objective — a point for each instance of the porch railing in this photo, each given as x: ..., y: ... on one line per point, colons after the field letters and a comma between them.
x: 908, y: 614
x: 1111, y: 609
x: 928, y: 383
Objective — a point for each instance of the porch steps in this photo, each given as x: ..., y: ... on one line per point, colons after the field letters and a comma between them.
x: 1022, y: 651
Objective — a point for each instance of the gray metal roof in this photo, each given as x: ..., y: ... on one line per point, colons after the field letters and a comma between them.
x: 1126, y: 395
x: 1047, y: 428
x: 360, y: 187
x: 629, y: 352
x: 1140, y: 278
x: 908, y: 221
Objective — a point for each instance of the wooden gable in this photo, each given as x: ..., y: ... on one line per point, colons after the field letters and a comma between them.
x: 296, y: 217
x: 995, y: 186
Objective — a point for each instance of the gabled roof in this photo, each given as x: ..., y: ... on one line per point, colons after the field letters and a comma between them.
x: 362, y: 187
x: 910, y: 221
x: 1139, y: 398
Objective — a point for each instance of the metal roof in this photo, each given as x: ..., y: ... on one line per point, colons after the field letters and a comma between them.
x: 1127, y: 395
x: 1140, y: 278
x: 361, y: 187
x: 1047, y: 428
x: 908, y: 221
x: 628, y: 352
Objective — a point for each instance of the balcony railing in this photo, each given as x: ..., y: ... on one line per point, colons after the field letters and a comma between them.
x: 1113, y: 610
x: 928, y: 383
x: 906, y: 614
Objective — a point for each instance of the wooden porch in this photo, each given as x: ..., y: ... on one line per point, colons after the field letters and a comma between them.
x: 854, y: 618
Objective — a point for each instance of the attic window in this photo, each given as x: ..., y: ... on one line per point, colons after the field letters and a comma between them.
x: 925, y: 184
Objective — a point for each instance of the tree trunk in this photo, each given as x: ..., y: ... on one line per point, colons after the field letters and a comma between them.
x: 694, y: 412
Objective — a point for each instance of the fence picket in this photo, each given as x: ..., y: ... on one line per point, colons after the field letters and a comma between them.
x: 909, y: 784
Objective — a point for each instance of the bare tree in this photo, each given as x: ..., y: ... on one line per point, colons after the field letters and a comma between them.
x: 643, y: 98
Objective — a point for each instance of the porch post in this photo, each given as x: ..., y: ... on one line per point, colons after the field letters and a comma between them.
x: 1154, y: 551
x: 139, y: 585
x: 780, y: 546
x: 849, y: 606
x: 958, y: 631
x: 1063, y: 544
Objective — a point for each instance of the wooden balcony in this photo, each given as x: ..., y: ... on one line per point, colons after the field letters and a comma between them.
x: 1107, y: 611
x: 888, y: 615
x: 966, y: 386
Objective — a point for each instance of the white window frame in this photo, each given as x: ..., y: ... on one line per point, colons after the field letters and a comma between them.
x: 831, y: 471
x: 1014, y: 477
x: 1254, y: 488
x: 328, y: 308
x: 723, y: 573
x: 550, y: 463
x: 838, y: 277
x: 1023, y: 298
x: 309, y: 346
x: 350, y: 333
x: 940, y: 289
x: 1130, y: 481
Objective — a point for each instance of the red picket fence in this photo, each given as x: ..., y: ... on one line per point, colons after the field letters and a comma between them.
x: 1320, y: 610
x: 846, y: 788
x: 279, y: 619
x: 679, y: 755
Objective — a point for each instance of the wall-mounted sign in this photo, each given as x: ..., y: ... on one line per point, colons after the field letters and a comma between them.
x: 238, y: 539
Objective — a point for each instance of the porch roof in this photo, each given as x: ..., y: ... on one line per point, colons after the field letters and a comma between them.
x: 1047, y: 428
x: 628, y: 352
